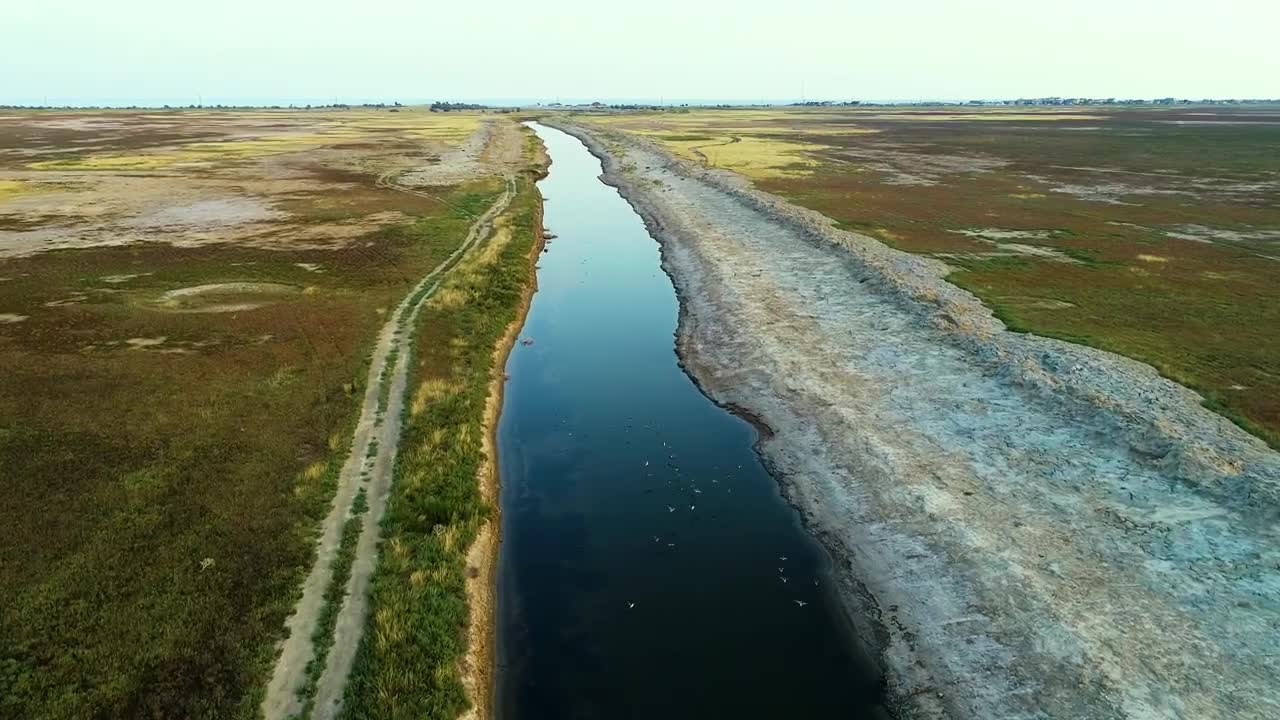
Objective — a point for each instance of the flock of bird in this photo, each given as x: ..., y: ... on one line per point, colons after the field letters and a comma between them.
x: 657, y: 539
x: 670, y: 461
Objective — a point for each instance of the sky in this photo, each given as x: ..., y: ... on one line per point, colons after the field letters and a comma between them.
x: 156, y: 51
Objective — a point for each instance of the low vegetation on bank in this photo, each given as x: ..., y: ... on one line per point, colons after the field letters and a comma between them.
x: 409, y: 661
x: 1152, y: 233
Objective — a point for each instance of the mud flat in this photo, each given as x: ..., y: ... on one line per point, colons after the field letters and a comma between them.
x: 1024, y: 528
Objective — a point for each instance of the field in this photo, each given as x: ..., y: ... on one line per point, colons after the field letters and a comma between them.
x: 1153, y: 233
x: 186, y: 304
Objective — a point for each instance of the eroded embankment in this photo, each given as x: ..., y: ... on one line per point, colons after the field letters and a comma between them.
x: 1024, y: 527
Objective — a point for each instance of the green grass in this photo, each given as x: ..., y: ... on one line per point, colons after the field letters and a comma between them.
x: 407, y: 666
x: 322, y: 638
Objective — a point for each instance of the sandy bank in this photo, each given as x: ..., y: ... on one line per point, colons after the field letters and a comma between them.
x: 1022, y: 527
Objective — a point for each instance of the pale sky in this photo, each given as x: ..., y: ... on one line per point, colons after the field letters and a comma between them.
x: 81, y: 51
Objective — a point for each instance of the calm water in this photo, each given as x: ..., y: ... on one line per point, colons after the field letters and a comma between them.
x: 649, y: 566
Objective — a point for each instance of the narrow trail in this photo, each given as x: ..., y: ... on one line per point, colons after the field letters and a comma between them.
x: 702, y: 157
x: 369, y: 466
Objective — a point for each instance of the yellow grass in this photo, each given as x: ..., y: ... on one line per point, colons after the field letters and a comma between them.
x: 191, y: 154
x: 763, y: 157
x: 447, y: 128
x: 11, y: 188
x: 457, y: 290
x: 430, y: 391
x: 315, y: 470
x: 439, y: 127
x: 993, y: 115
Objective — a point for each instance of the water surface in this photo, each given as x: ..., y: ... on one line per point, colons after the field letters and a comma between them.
x: 649, y: 566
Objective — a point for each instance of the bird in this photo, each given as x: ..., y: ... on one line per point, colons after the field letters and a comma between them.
x: 670, y: 509
x: 692, y: 507
x: 801, y: 603
x: 656, y: 538
x: 784, y: 579
x: 631, y: 604
x: 783, y: 558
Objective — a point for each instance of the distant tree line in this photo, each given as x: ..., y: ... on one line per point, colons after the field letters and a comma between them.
x: 452, y: 106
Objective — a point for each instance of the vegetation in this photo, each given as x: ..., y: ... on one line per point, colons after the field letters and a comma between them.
x: 322, y: 638
x: 1153, y: 233
x: 165, y: 464
x: 408, y: 663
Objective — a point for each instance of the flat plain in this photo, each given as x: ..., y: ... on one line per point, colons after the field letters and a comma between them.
x: 187, y: 300
x: 1150, y: 232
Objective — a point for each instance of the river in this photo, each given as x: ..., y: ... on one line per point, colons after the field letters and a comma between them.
x: 649, y: 567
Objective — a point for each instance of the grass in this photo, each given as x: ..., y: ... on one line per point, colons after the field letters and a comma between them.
x: 1103, y: 187
x: 160, y: 500
x: 408, y: 662
x: 321, y: 129
x: 322, y: 638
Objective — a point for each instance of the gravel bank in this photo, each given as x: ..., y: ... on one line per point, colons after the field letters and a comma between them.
x: 1023, y: 528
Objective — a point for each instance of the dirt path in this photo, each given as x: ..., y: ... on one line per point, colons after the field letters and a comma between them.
x: 1022, y: 527
x: 697, y: 149
x: 370, y: 466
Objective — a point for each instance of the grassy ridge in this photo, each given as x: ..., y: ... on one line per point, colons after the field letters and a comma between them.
x: 408, y: 663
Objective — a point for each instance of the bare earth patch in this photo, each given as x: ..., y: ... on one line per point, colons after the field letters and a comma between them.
x: 907, y: 166
x: 211, y: 213
x: 223, y: 297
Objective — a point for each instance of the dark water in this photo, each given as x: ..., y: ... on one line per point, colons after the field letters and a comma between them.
x: 649, y: 566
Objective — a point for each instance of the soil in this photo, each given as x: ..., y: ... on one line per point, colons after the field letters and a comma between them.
x: 1022, y: 527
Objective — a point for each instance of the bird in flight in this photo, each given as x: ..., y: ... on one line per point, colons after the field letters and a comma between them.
x: 801, y: 603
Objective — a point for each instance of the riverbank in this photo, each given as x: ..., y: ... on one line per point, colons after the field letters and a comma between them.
x: 412, y: 659
x: 1023, y: 527
x: 482, y: 558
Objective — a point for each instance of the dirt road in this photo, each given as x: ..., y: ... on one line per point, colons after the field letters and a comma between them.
x: 1022, y: 528
x: 370, y: 466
